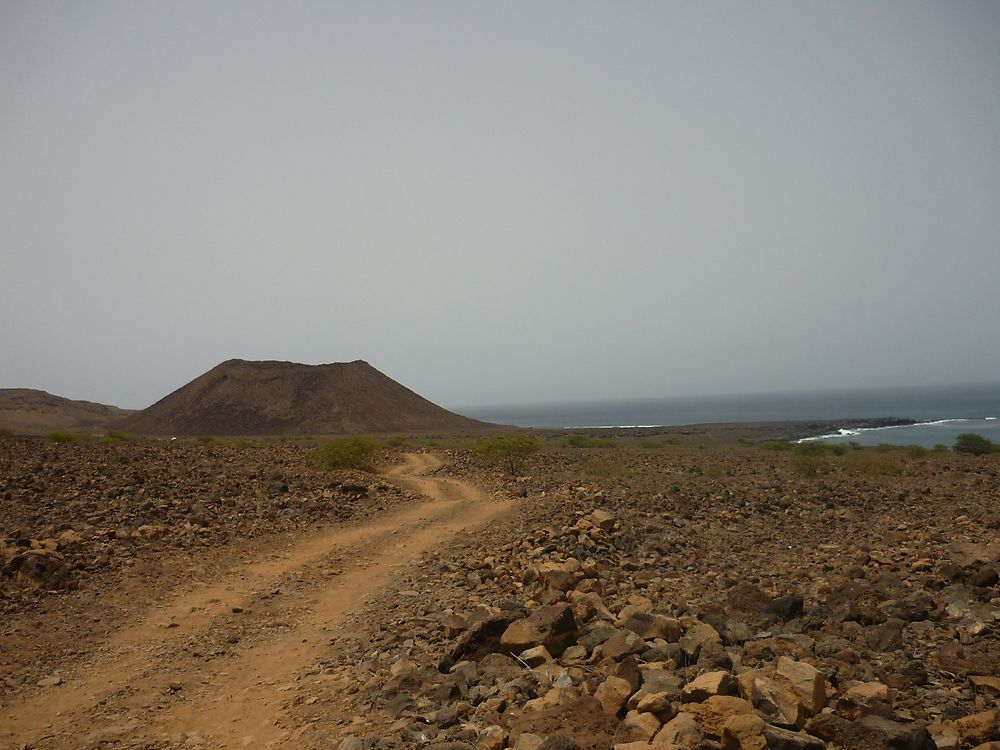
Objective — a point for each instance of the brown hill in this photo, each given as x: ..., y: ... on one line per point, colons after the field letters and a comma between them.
x: 286, y: 398
x: 26, y: 411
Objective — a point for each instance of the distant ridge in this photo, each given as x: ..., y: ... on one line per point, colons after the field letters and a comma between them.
x: 240, y: 397
x: 26, y: 411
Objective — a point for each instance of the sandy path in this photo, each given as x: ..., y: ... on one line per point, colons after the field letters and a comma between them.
x: 176, y: 670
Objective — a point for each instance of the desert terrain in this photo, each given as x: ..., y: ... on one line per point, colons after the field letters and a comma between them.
x: 668, y: 593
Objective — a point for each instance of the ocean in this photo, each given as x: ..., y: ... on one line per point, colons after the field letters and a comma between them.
x: 942, y: 412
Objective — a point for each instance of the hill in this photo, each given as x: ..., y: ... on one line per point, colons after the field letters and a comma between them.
x: 285, y: 398
x: 27, y: 411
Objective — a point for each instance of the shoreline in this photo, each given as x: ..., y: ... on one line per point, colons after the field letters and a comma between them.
x: 734, y: 431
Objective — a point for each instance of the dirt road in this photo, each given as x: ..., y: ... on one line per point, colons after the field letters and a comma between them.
x: 214, y: 665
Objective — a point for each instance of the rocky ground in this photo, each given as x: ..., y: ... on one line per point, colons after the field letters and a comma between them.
x: 666, y: 596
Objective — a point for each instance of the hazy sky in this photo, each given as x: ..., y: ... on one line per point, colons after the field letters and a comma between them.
x: 501, y: 202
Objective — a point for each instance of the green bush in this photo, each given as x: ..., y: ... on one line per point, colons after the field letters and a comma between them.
x: 115, y: 437
x: 916, y: 451
x: 838, y: 450
x: 353, y: 452
x: 939, y: 448
x: 510, y: 451
x: 977, y: 445
x: 396, y: 441
x: 885, y: 447
x: 585, y: 441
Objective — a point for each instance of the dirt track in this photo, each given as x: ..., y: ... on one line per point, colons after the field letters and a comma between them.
x: 163, y: 676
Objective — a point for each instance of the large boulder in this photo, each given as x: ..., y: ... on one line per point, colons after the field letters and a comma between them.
x: 553, y: 626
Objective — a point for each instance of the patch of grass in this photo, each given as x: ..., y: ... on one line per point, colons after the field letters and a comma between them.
x: 838, y: 449
x: 916, y: 451
x: 432, y: 443
x: 939, y: 448
x: 886, y: 447
x: 776, y: 445
x: 871, y: 464
x: 353, y: 452
x: 396, y: 441
x: 206, y: 439
x: 242, y: 443
x: 585, y: 441
x: 5, y: 433
x: 602, y: 469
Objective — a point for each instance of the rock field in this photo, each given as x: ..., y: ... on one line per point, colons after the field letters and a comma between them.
x: 683, y: 597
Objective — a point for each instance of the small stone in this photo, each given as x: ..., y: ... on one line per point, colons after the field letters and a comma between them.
x: 714, y: 711
x: 900, y: 735
x: 744, y: 732
x: 708, y: 684
x: 613, y: 693
x: 785, y: 739
x: 681, y: 730
x: 492, y: 738
x: 638, y: 726
x: 977, y: 728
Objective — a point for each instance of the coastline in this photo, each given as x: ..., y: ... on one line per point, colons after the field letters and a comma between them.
x: 728, y: 432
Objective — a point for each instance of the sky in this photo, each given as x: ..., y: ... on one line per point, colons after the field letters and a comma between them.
x: 501, y: 202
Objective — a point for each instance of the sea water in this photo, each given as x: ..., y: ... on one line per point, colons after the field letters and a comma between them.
x: 942, y: 412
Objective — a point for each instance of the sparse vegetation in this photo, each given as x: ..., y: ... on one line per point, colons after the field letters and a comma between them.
x: 654, y: 443
x: 510, y: 450
x: 809, y: 464
x: 5, y: 433
x: 115, y: 437
x: 397, y: 441
x: 871, y: 463
x: 776, y: 445
x: 585, y: 441
x: 974, y: 444
x: 355, y: 452
x: 602, y: 469
x: 916, y: 451
x: 811, y: 448
x: 61, y: 436
x: 206, y: 439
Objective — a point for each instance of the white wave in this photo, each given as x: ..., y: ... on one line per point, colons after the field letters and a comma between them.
x: 989, y: 419
x: 842, y: 432
x: 612, y: 426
